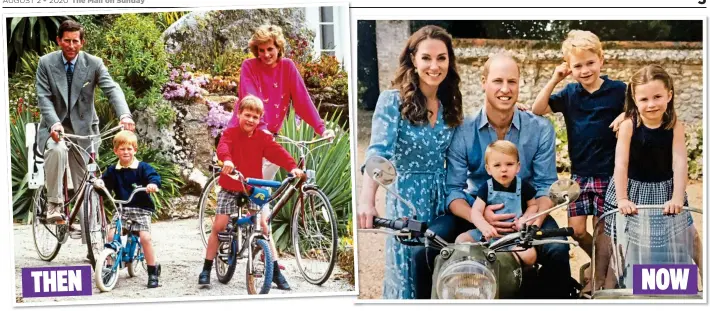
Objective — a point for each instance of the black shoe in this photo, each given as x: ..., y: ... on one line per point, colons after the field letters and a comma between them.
x: 153, y: 281
x: 204, y: 278
x: 153, y: 274
x: 280, y: 279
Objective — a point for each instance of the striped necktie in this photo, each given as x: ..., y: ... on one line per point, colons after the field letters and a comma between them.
x: 70, y: 75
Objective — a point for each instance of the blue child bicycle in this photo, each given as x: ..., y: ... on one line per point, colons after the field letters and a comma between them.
x: 243, y: 236
x: 116, y: 256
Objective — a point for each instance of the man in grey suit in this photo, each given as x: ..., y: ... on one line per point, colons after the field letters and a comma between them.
x: 65, y: 82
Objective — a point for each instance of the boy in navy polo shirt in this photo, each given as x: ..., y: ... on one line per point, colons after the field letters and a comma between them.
x: 122, y: 178
x: 592, y: 108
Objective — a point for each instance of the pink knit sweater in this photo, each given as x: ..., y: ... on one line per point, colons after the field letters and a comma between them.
x: 276, y: 87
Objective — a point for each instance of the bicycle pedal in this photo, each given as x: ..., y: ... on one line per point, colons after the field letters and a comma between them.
x: 75, y: 235
x: 224, y: 237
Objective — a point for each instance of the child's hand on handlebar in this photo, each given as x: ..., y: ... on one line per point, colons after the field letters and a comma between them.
x: 227, y: 167
x: 151, y: 188
x: 627, y: 207
x: 672, y: 207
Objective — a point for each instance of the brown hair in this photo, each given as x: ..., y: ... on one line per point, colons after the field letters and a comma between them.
x: 406, y: 80
x: 645, y: 75
x: 265, y: 33
x: 251, y: 102
x: 504, y: 147
x: 125, y: 138
x: 580, y: 40
x: 70, y: 26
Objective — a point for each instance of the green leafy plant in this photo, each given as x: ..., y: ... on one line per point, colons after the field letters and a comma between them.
x: 31, y: 33
x: 562, y: 153
x: 20, y: 115
x: 136, y: 58
x: 165, y: 19
x: 332, y: 166
x: 164, y: 115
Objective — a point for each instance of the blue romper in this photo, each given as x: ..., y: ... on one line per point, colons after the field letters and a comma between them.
x: 511, y: 204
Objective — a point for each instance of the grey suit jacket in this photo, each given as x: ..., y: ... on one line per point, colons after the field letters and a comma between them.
x: 51, y: 82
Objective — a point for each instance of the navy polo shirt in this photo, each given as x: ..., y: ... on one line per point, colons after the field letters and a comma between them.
x: 592, y: 144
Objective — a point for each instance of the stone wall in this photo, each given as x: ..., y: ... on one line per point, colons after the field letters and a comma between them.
x: 392, y: 35
x: 538, y: 59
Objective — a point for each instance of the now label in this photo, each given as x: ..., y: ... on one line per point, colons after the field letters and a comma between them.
x: 670, y: 279
x: 56, y: 281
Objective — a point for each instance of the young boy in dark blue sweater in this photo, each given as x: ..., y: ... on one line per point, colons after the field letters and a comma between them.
x: 122, y: 178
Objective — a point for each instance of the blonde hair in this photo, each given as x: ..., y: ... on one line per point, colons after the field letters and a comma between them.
x: 581, y: 40
x: 125, y: 138
x: 264, y: 34
x: 504, y: 147
x: 490, y: 60
x: 252, y: 103
x: 645, y: 75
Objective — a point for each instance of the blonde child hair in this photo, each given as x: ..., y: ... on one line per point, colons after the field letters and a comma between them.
x: 504, y: 147
x: 252, y: 103
x: 125, y: 138
x: 265, y: 33
x: 581, y: 40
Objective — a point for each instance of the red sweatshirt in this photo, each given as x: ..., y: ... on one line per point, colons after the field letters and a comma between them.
x: 276, y: 87
x: 247, y: 153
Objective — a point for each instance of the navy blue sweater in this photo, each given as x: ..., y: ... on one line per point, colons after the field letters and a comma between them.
x: 123, y: 181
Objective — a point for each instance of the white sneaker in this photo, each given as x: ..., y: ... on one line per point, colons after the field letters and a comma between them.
x: 54, y: 212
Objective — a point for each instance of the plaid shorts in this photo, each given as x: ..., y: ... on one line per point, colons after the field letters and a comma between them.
x: 591, y: 196
x: 229, y: 202
x: 139, y: 217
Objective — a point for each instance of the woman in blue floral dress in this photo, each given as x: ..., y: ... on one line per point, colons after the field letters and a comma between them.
x: 412, y: 126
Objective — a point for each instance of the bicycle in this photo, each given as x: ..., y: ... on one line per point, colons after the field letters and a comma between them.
x: 244, y: 234
x: 314, y: 232
x: 56, y: 234
x: 115, y: 255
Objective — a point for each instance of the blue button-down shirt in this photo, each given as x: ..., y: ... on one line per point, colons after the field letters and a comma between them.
x: 465, y: 168
x: 73, y: 62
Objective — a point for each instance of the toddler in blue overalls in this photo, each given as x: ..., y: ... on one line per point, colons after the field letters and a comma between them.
x: 517, y: 196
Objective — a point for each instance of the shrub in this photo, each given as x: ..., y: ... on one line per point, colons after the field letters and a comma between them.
x: 183, y: 85
x: 136, y: 58
x: 20, y: 114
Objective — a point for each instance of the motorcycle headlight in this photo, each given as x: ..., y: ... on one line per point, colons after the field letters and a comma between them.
x: 466, y: 279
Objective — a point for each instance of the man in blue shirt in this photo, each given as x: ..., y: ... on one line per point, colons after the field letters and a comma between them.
x: 535, y: 138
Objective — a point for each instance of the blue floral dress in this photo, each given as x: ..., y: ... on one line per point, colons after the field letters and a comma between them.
x: 418, y: 154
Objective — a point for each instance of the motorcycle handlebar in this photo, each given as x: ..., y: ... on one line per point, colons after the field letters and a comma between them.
x: 399, y: 224
x: 549, y: 233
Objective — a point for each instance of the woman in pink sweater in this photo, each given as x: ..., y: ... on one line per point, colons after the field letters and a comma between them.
x: 276, y: 81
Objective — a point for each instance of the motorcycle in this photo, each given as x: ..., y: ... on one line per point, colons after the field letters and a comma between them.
x: 648, y: 237
x: 480, y: 270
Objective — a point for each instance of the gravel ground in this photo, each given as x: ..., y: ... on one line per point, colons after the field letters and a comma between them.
x: 371, y: 246
x: 180, y: 251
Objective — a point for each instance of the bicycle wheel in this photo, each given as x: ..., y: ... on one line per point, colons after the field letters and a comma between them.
x: 208, y: 207
x: 46, y: 236
x: 106, y: 270
x: 226, y: 262
x: 94, y: 224
x: 138, y: 262
x: 314, y: 234
x: 259, y: 280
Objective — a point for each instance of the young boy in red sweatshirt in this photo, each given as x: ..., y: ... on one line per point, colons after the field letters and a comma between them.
x: 243, y: 148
